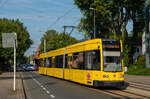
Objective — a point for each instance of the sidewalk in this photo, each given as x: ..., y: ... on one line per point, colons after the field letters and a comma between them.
x: 6, y: 86
x: 138, y: 79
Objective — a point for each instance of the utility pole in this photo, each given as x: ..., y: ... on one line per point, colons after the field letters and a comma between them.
x: 94, y: 22
x: 44, y: 45
x: 65, y: 27
x: 147, y: 33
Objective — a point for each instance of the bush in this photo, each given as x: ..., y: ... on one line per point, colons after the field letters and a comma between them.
x: 126, y: 56
x: 141, y: 61
x: 0, y: 72
x: 138, y: 70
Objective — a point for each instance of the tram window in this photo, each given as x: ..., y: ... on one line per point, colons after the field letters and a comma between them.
x: 59, y: 61
x: 69, y: 64
x: 92, y: 60
x: 40, y: 63
x: 53, y: 62
x: 44, y: 62
x: 78, y: 60
x: 66, y: 61
x: 49, y: 62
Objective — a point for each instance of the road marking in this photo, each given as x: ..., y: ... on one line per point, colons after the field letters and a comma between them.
x: 47, y: 92
x: 37, y: 81
x: 44, y: 88
x: 39, y: 84
x: 52, y: 96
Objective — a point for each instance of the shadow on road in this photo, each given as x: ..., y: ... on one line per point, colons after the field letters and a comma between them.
x: 50, y: 83
x: 113, y: 88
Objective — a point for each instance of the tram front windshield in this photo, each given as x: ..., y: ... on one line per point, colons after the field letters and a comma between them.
x: 112, y: 56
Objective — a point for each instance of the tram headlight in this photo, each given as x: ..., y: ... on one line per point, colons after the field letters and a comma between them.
x: 105, y: 76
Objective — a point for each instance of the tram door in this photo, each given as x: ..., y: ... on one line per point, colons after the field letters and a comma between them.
x: 70, y: 60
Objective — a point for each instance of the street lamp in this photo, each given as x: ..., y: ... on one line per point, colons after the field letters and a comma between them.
x: 94, y: 19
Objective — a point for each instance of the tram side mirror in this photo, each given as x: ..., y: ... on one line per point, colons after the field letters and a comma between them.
x: 122, y: 55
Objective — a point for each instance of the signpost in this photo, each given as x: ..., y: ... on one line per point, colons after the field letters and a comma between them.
x: 10, y: 40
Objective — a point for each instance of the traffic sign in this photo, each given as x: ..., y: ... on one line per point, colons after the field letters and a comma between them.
x: 8, y: 39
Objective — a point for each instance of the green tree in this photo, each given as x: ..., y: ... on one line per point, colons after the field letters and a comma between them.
x: 112, y: 17
x: 54, y: 40
x: 23, y: 40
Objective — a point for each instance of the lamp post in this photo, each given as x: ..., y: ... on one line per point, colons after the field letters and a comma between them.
x: 94, y: 20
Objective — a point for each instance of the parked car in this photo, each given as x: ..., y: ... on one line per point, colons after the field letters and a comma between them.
x: 24, y: 66
x: 30, y: 67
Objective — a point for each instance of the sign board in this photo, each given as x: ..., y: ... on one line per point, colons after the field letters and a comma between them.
x: 8, y: 39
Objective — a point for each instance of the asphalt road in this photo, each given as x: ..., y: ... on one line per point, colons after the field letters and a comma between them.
x: 45, y: 87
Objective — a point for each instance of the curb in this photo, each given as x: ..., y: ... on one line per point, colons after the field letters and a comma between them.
x: 23, y: 88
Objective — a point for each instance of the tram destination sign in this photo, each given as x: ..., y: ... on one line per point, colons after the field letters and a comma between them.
x: 8, y: 39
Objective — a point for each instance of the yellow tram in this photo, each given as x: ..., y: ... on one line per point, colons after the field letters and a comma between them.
x: 96, y: 62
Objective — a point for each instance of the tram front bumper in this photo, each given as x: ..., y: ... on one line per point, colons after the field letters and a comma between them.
x: 108, y: 83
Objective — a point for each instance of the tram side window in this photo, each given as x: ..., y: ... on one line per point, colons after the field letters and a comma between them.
x: 49, y: 62
x: 92, y: 60
x: 44, y: 62
x: 66, y: 61
x: 78, y: 62
x: 59, y: 61
x: 40, y: 63
x: 69, y: 64
x: 53, y: 62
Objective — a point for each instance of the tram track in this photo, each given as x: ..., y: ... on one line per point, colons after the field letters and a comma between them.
x: 140, y: 87
x: 133, y: 91
x: 137, y: 94
x: 124, y: 94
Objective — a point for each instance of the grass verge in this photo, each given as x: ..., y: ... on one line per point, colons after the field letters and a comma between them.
x: 138, y: 70
x: 0, y: 72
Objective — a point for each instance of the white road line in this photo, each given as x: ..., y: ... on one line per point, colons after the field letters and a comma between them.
x: 44, y: 88
x: 38, y: 83
x: 52, y: 96
x: 47, y: 92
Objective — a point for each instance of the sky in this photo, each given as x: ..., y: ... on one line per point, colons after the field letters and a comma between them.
x: 41, y: 15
